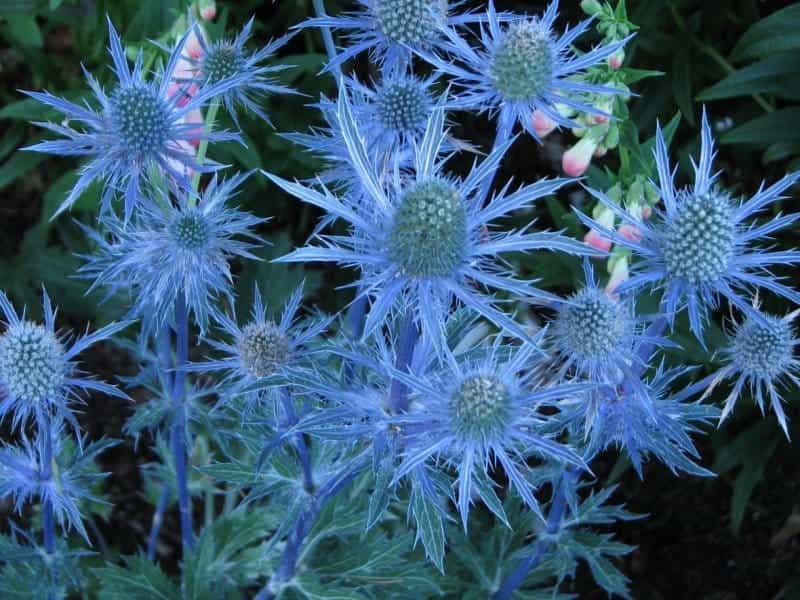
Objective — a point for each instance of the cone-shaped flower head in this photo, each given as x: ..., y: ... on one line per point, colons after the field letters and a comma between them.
x: 392, y: 114
x: 38, y: 376
x: 422, y: 239
x: 594, y: 333
x: 521, y: 65
x: 260, y: 357
x: 478, y: 409
x: 761, y: 359
x: 174, y: 251
x: 138, y: 128
x: 390, y: 29
x: 702, y: 246
x: 249, y: 80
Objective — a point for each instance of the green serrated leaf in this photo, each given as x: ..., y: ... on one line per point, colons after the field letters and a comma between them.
x: 430, y: 528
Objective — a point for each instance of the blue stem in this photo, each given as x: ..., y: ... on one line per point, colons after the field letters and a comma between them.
x: 178, y: 433
x: 46, y: 473
x: 552, y: 527
x: 164, y: 348
x: 398, y: 395
x: 48, y: 524
x: 299, y: 444
x: 327, y: 38
x: 294, y: 542
x: 505, y: 125
x: 158, y: 520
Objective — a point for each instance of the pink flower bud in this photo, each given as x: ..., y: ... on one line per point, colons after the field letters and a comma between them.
x: 576, y: 160
x: 630, y: 232
x: 209, y: 11
x: 596, y: 240
x: 194, y: 47
x: 647, y: 212
x: 600, y: 152
x: 542, y: 124
x: 615, y: 60
x: 600, y: 119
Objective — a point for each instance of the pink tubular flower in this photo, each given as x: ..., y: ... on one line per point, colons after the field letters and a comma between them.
x: 195, y: 116
x: 542, y: 124
x: 576, y: 160
x: 630, y: 232
x: 616, y: 59
x: 596, y: 240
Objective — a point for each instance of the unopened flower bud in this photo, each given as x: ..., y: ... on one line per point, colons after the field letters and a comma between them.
x: 616, y: 59
x: 600, y: 152
x: 542, y: 124
x: 596, y: 240
x: 591, y: 7
x: 630, y: 232
x: 576, y: 160
x: 207, y: 9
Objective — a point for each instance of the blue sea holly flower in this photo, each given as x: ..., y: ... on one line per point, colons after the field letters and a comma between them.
x: 390, y: 29
x: 136, y: 129
x: 68, y: 485
x: 643, y: 417
x: 522, y: 65
x: 422, y: 240
x: 39, y: 377
x: 260, y: 357
x: 173, y: 250
x: 228, y: 60
x: 701, y: 246
x: 761, y: 358
x: 481, y: 409
x: 594, y: 333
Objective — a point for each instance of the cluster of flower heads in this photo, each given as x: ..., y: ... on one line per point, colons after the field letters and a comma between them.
x: 421, y: 393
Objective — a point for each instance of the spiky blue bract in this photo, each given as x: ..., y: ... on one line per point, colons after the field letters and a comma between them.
x: 250, y: 80
x: 703, y: 245
x: 261, y: 356
x: 422, y: 240
x: 69, y: 484
x: 39, y: 377
x: 761, y: 358
x: 520, y: 65
x: 643, y: 417
x: 480, y: 409
x: 594, y: 333
x: 136, y: 130
x: 390, y: 29
x: 176, y: 249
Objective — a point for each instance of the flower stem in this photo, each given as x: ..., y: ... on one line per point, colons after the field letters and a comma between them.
x: 178, y: 433
x: 327, y: 38
x: 552, y: 527
x: 294, y: 542
x: 48, y: 524
x: 158, y: 520
x: 210, y: 120
x: 398, y: 395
